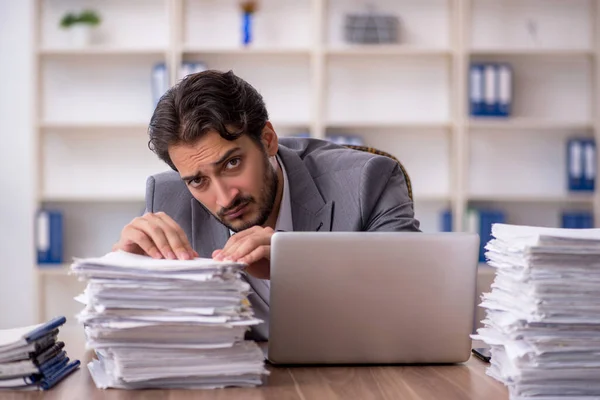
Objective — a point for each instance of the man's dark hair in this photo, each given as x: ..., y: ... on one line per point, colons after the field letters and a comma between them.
x: 205, y: 101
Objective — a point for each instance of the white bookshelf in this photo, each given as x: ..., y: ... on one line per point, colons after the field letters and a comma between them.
x: 411, y: 99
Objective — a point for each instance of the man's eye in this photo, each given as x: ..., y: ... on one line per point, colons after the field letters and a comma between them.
x: 233, y: 163
x: 196, y: 182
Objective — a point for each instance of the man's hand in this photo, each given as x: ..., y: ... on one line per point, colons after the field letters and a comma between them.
x: 157, y: 236
x: 251, y: 246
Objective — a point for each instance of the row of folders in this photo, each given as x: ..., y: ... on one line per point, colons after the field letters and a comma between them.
x: 480, y: 221
x: 490, y: 89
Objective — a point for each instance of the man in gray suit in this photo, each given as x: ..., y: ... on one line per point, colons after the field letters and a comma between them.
x: 234, y: 183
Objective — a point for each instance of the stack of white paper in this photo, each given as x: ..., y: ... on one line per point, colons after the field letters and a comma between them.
x: 543, y: 313
x: 168, y: 323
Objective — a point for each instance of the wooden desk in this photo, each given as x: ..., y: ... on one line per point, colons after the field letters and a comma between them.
x: 460, y: 382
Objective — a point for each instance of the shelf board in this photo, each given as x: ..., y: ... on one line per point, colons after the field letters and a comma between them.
x: 92, y: 199
x: 104, y: 51
x: 291, y: 124
x: 387, y: 125
x: 53, y: 270
x: 273, y: 51
x: 575, y: 198
x: 386, y: 50
x: 525, y: 123
x: 532, y: 52
x: 431, y: 198
x: 94, y: 125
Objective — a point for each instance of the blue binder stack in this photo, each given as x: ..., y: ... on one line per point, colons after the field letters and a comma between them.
x: 577, y: 220
x: 32, y: 358
x: 581, y: 164
x: 490, y: 89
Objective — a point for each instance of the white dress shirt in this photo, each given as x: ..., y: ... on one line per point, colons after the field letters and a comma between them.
x: 262, y: 287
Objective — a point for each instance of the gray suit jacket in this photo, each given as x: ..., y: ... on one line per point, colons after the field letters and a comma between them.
x: 331, y: 188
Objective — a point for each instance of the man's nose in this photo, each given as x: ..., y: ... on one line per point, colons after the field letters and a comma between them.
x: 225, y: 194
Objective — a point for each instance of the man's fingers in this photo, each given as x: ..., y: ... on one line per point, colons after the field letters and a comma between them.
x: 248, y: 246
x: 156, y: 233
x: 257, y: 254
x: 129, y: 248
x: 168, y: 222
x: 174, y: 242
x: 257, y: 236
x: 238, y: 237
x: 140, y: 238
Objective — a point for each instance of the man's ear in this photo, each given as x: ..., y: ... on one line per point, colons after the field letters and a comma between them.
x: 269, y: 139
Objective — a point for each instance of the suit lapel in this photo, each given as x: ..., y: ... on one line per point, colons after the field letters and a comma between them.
x: 207, y: 233
x: 309, y: 211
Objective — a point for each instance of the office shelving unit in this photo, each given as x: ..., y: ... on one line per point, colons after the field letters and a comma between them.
x: 411, y: 99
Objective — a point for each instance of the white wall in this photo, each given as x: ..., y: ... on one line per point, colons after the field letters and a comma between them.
x: 17, y: 166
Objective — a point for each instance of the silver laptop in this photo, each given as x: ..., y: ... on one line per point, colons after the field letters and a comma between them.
x: 380, y: 297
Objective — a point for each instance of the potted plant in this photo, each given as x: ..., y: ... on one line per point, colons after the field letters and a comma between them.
x: 80, y: 26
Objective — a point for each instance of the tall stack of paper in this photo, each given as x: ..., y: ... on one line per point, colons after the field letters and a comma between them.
x: 543, y: 312
x: 32, y: 357
x: 168, y: 323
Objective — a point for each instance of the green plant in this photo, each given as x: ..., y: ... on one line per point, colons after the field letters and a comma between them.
x: 88, y: 17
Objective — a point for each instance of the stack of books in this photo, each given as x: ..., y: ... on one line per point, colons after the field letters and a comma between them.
x: 168, y: 323
x: 32, y: 358
x: 543, y: 313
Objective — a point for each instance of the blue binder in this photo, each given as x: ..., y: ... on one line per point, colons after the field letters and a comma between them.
x: 577, y: 220
x: 49, y: 237
x: 570, y: 220
x: 575, y: 164
x: 446, y: 221
x: 589, y: 164
x: 505, y: 90
x: 490, y: 89
x: 490, y: 92
x: 160, y: 81
x: 486, y: 219
x: 476, y: 87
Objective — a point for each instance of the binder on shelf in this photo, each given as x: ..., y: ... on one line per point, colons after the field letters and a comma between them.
x: 487, y: 218
x: 476, y: 89
x: 188, y: 68
x: 577, y: 220
x: 160, y: 81
x: 480, y: 221
x: 476, y: 221
x: 576, y: 165
x: 490, y: 89
x: 504, y: 90
x: 49, y: 237
x: 446, y: 221
x: 490, y: 94
x: 589, y: 165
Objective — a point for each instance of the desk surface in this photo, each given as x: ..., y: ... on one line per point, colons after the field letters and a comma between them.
x: 448, y: 382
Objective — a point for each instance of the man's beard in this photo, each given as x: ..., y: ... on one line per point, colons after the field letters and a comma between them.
x: 266, y: 201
